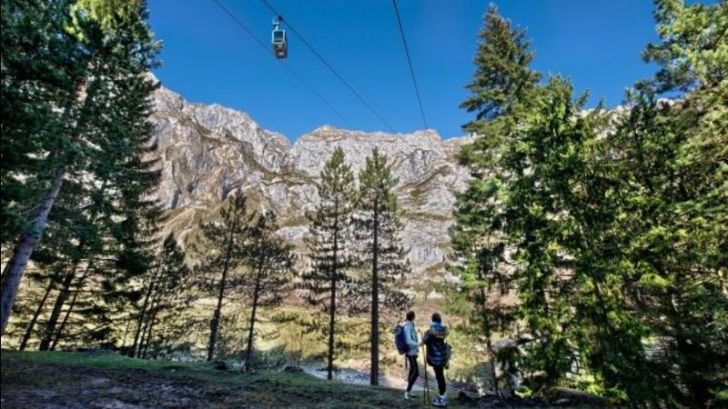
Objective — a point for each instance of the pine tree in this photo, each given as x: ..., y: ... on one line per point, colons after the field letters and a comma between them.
x: 331, y: 244
x: 106, y: 50
x: 119, y: 207
x: 39, y: 66
x: 164, y: 292
x: 502, y: 90
x: 42, y: 70
x: 377, y: 225
x: 674, y: 199
x: 223, y: 258
x: 617, y: 242
x: 540, y: 218
x: 269, y: 260
x: 82, y: 239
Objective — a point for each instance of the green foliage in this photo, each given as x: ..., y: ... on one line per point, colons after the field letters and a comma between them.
x: 502, y: 87
x: 218, y: 271
x: 377, y: 226
x: 614, y: 245
x: 330, y: 246
x: 164, y: 300
x: 270, y: 261
x: 40, y: 69
x: 330, y: 235
x: 78, y: 110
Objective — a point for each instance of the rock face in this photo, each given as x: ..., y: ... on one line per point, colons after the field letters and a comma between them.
x: 209, y: 151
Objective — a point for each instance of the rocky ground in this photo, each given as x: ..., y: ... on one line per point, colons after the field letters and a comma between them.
x: 108, y: 381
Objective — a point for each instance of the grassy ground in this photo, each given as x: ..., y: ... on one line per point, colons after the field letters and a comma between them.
x: 64, y: 380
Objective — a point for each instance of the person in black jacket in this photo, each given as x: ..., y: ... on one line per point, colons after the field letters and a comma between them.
x: 438, y: 355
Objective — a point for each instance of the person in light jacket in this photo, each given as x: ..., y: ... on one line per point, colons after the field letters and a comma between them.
x: 410, y: 335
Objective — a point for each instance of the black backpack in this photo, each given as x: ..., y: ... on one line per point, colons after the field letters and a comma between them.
x: 400, y: 341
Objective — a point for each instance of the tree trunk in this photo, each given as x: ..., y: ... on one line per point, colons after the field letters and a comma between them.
x: 142, y: 340
x: 24, y: 248
x: 148, y: 324
x: 56, y: 313
x: 126, y: 332
x: 150, y: 330
x: 41, y: 304
x: 332, y: 306
x: 493, y: 363
x: 142, y: 313
x: 374, y: 371
x: 30, y: 238
x: 80, y: 283
x: 215, y: 323
x: 256, y: 291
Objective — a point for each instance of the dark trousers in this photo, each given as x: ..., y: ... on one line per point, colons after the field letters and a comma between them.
x: 414, y: 371
x: 440, y: 376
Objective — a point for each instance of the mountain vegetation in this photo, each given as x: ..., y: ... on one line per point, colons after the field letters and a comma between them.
x: 65, y: 64
x: 377, y: 226
x: 328, y: 284
x: 220, y: 261
x: 608, y: 227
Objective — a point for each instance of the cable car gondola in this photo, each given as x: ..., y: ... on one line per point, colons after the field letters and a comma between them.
x: 278, y: 39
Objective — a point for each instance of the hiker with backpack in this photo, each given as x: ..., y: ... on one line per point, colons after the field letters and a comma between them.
x: 405, y: 338
x: 438, y: 356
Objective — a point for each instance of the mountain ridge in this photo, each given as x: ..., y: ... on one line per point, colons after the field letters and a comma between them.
x: 208, y: 151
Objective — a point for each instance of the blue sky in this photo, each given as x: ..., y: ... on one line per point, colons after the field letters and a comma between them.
x: 208, y: 58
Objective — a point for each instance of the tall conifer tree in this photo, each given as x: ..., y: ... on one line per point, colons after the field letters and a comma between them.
x: 502, y: 90
x: 221, y: 259
x: 164, y: 294
x: 269, y: 261
x: 108, y: 49
x: 377, y: 225
x: 674, y: 194
x: 331, y: 244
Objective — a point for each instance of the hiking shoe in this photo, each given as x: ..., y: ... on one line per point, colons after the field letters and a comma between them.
x: 439, y: 401
x: 408, y: 396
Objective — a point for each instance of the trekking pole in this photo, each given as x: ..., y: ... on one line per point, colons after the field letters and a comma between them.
x: 426, y: 394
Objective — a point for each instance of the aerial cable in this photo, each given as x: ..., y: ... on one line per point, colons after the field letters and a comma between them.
x: 286, y: 66
x: 330, y: 67
x: 409, y: 62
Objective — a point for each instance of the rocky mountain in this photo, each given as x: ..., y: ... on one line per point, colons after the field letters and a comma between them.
x: 209, y: 151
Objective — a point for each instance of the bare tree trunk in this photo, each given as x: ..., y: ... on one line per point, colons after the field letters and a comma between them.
x: 56, y: 313
x: 256, y: 292
x: 24, y: 248
x: 150, y: 330
x: 38, y: 310
x: 79, y: 284
x: 374, y: 371
x: 146, y: 331
x: 142, y: 313
x: 13, y: 272
x: 215, y: 323
x: 332, y: 307
x: 142, y: 340
x: 126, y: 332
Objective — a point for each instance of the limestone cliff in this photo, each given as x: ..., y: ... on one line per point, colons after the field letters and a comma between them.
x: 208, y: 151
